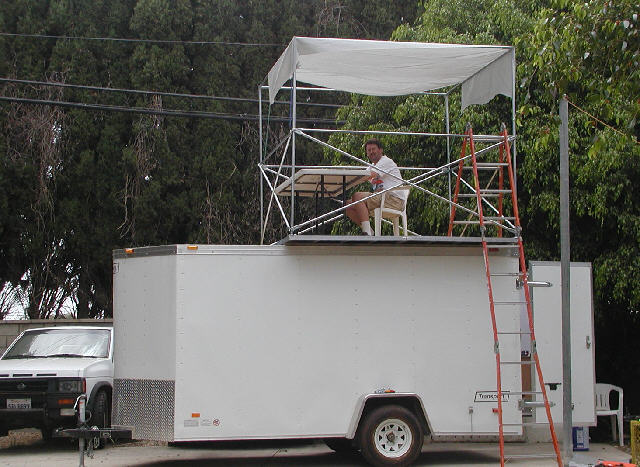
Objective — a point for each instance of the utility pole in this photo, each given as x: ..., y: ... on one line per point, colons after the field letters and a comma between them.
x: 565, y: 250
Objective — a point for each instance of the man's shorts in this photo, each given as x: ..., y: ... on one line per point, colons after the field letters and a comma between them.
x: 390, y: 201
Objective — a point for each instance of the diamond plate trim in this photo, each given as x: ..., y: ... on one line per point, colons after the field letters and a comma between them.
x: 145, y: 405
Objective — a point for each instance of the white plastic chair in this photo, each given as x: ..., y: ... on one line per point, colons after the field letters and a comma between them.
x: 392, y: 214
x: 603, y: 408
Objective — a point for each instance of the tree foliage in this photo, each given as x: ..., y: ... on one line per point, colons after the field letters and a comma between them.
x: 589, y: 51
x: 76, y: 184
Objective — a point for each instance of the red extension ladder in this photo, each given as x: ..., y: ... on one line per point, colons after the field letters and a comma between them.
x: 500, y: 222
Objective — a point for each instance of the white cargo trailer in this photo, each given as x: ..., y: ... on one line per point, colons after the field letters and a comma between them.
x: 378, y: 342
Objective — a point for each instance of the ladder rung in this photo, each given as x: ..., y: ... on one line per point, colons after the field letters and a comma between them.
x: 529, y: 456
x: 519, y: 332
x: 473, y: 195
x: 499, y: 218
x: 493, y: 191
x: 525, y: 424
x: 506, y: 274
x: 490, y: 246
x: 487, y: 165
x: 518, y: 363
x: 478, y: 221
x: 491, y: 164
x: 510, y: 303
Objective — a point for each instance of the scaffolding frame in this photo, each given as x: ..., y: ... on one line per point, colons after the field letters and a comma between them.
x: 280, y: 171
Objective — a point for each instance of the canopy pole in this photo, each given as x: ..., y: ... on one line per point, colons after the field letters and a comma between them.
x: 293, y: 142
x: 261, y: 162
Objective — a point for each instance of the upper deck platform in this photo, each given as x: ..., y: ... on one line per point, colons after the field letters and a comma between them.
x: 413, y: 240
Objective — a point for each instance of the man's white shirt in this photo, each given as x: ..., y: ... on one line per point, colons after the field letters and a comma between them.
x: 385, y: 164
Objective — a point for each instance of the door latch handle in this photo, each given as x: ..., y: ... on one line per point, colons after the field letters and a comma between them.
x: 520, y: 283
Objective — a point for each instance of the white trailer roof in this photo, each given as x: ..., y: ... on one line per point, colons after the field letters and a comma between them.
x: 386, y: 68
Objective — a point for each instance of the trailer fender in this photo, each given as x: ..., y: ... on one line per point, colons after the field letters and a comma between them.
x: 369, y: 402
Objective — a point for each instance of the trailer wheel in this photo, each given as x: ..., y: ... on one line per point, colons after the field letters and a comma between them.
x: 101, y: 416
x: 343, y: 446
x: 391, y: 436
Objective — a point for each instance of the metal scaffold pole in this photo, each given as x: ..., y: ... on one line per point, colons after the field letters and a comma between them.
x: 293, y: 151
x: 261, y: 161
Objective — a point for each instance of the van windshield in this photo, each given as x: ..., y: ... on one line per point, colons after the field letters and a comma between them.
x: 79, y: 343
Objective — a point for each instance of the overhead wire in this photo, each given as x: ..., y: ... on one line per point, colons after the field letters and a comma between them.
x: 150, y: 41
x: 158, y: 93
x: 615, y: 130
x: 166, y: 112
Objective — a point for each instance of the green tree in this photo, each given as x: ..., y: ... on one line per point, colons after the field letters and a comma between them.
x: 111, y: 180
x: 590, y: 52
x: 87, y: 203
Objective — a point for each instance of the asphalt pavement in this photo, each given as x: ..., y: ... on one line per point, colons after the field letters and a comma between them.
x: 280, y: 453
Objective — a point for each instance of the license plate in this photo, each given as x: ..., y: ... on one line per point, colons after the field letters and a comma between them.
x: 19, y: 403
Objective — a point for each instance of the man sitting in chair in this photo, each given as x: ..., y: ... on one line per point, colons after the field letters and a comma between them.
x: 359, y: 213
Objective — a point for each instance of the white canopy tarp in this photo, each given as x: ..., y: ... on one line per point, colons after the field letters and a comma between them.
x: 386, y: 68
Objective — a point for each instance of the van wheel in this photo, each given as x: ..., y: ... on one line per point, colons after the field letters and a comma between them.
x: 391, y: 436
x: 100, y: 416
x: 343, y: 446
x: 46, y: 434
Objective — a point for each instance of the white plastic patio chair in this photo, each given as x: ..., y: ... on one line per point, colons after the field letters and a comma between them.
x: 603, y: 409
x: 393, y: 214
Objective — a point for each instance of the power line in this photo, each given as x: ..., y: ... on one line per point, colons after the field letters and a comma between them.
x: 166, y: 112
x: 148, y: 41
x: 159, y: 93
x: 603, y: 123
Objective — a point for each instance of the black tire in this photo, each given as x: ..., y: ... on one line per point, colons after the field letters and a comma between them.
x: 47, y: 434
x: 100, y: 416
x: 342, y: 446
x: 391, y: 436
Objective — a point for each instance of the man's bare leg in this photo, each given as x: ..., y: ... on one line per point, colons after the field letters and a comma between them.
x: 359, y: 213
